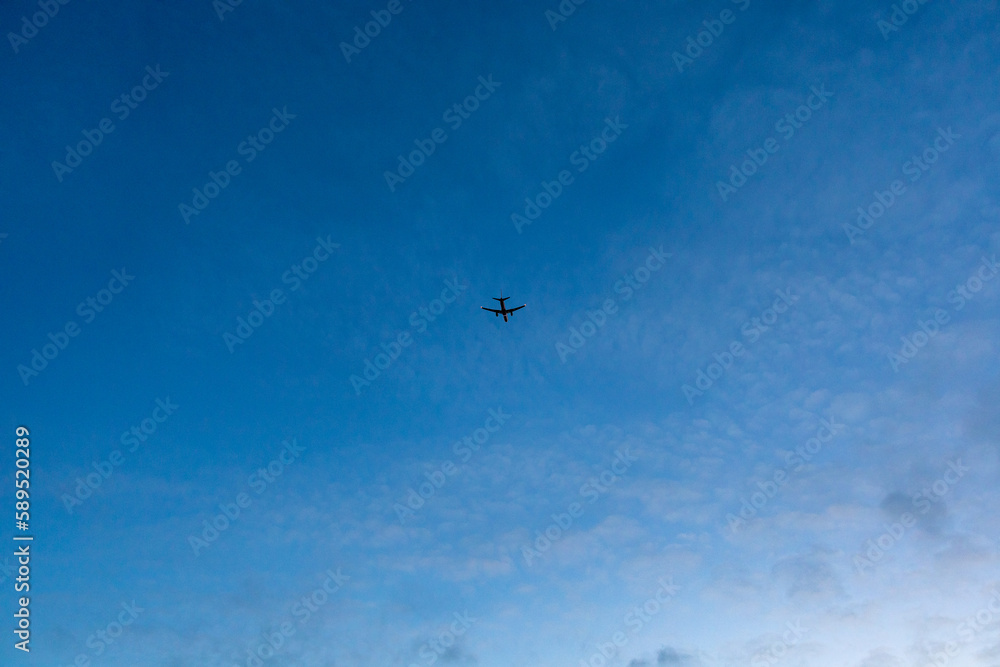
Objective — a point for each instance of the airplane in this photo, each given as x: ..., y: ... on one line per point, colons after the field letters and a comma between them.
x: 503, y: 309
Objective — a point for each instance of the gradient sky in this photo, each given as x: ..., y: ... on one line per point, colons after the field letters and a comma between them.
x: 656, y: 554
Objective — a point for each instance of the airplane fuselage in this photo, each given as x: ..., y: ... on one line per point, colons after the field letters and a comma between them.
x: 503, y: 309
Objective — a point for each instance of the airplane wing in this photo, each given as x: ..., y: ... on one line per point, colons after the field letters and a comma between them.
x: 490, y: 309
x: 518, y: 308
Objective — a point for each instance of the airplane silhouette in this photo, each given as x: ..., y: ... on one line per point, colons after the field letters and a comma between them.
x: 503, y: 309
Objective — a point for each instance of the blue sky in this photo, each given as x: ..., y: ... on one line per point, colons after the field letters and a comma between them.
x: 734, y: 426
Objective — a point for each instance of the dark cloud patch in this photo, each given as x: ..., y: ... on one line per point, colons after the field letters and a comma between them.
x: 982, y: 423
x: 667, y: 657
x: 457, y: 655
x: 930, y: 511
x: 807, y: 575
x: 671, y: 657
